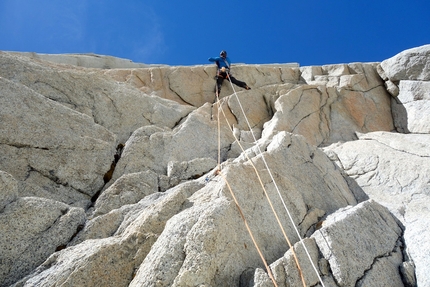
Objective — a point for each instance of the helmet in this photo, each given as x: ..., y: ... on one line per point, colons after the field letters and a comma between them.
x: 223, y: 54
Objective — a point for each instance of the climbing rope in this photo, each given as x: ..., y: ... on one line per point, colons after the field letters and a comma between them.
x: 219, y: 129
x: 268, y: 198
x: 249, y: 231
x: 219, y: 108
x: 279, y: 194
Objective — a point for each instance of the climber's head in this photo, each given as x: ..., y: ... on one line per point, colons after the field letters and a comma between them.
x: 223, y: 54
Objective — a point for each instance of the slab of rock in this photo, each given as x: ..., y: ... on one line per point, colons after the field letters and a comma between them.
x: 417, y: 230
x: 390, y: 167
x: 128, y: 189
x: 112, y: 259
x: 190, y: 169
x: 352, y: 254
x: 109, y: 224
x: 53, y: 151
x: 393, y: 169
x: 32, y: 229
x: 85, y: 60
x: 117, y: 106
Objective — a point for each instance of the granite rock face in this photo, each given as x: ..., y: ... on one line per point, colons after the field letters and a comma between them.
x: 408, y: 75
x: 121, y: 174
x: 377, y: 249
x: 32, y: 229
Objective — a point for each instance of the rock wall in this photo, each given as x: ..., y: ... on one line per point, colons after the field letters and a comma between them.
x: 120, y: 175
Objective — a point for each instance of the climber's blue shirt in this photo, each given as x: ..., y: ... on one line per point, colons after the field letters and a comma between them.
x: 221, y: 62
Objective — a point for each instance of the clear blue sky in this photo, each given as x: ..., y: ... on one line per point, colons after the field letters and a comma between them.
x: 310, y: 32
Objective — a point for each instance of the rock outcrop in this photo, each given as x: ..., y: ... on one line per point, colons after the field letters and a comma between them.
x: 408, y: 76
x: 121, y: 174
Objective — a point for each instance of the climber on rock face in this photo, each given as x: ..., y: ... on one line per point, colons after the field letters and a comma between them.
x: 223, y: 63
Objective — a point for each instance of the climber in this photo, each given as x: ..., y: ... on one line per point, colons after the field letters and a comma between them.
x: 223, y: 63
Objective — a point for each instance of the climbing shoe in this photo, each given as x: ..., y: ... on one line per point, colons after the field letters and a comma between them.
x: 247, y: 88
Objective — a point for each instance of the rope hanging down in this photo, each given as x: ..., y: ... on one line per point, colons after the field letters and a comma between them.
x: 270, y: 202
x: 276, y: 187
x: 233, y: 195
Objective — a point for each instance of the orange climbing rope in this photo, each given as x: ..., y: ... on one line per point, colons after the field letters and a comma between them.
x: 219, y: 105
x: 267, y: 196
x: 219, y: 108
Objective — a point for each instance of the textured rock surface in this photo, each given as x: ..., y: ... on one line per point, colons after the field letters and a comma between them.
x: 408, y: 75
x: 376, y: 249
x: 32, y: 229
x: 202, y: 234
x: 411, y: 64
x: 109, y: 173
x: 8, y: 189
x: 128, y: 189
x: 52, y: 150
x: 339, y: 100
x: 394, y: 169
x: 378, y: 239
x: 118, y: 107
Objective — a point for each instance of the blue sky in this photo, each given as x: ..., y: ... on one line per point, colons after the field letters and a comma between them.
x: 310, y: 32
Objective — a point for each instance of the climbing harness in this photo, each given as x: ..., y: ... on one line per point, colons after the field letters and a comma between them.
x: 219, y: 106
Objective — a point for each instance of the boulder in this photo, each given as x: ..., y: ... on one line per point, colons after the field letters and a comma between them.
x: 376, y: 250
x: 376, y: 247
x: 103, y: 262
x: 407, y: 76
x: 411, y: 64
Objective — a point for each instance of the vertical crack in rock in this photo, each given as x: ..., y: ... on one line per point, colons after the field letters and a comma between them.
x: 318, y: 111
x: 108, y: 175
